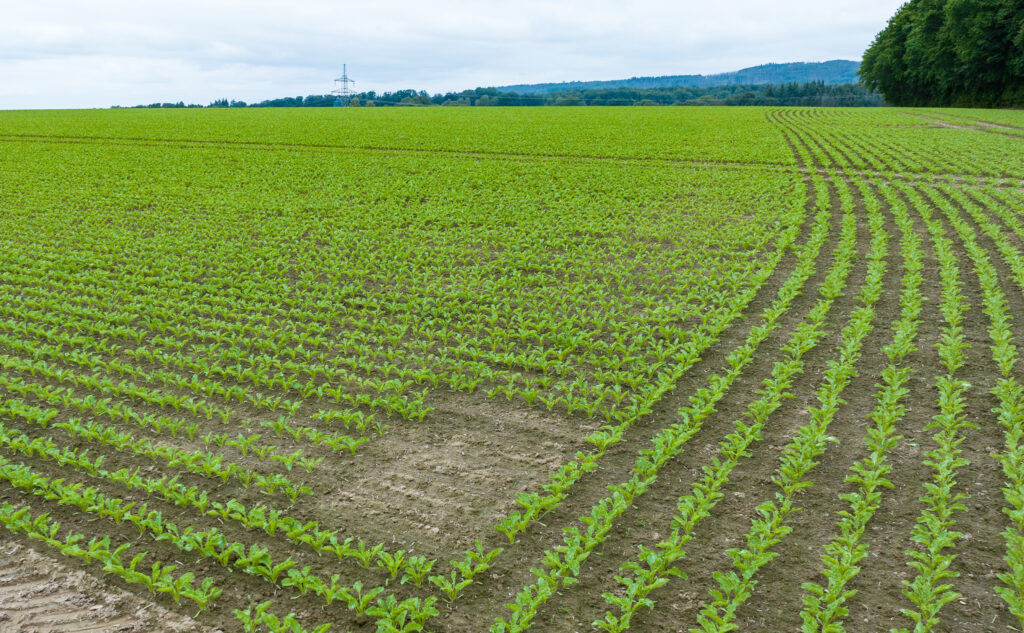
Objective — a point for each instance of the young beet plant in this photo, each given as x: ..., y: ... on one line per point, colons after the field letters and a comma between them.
x: 159, y: 580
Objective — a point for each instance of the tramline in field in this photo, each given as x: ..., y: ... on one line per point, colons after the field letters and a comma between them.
x: 653, y: 369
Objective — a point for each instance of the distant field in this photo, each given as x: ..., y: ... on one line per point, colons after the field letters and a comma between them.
x: 497, y: 369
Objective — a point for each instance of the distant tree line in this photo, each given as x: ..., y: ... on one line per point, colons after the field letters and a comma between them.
x: 814, y: 93
x: 950, y: 53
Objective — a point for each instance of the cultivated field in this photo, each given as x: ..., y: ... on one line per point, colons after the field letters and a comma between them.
x: 464, y: 370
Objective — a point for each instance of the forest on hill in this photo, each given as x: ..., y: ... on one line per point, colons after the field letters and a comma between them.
x: 833, y: 72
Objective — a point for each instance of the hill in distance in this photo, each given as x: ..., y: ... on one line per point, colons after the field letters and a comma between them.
x: 836, y: 71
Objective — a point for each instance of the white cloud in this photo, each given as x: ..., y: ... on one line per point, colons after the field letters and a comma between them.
x: 95, y: 54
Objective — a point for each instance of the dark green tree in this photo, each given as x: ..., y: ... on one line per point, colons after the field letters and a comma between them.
x: 950, y: 53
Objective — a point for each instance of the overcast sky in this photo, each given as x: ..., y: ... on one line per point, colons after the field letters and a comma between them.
x: 98, y: 53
